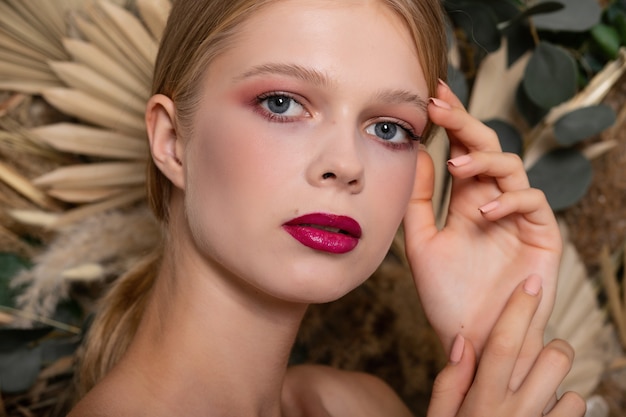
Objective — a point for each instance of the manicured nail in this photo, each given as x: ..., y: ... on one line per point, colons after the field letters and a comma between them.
x: 460, y: 160
x: 533, y: 284
x: 440, y: 103
x: 456, y: 353
x: 489, y: 207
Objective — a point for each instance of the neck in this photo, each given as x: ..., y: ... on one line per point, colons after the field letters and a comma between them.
x: 208, y: 346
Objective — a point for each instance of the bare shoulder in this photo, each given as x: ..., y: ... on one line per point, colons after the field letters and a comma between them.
x: 315, y: 390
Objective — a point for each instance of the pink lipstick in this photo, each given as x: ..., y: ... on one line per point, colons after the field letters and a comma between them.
x: 325, y: 232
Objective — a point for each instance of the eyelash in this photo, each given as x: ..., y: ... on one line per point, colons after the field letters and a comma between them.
x: 408, y: 129
x: 273, y: 116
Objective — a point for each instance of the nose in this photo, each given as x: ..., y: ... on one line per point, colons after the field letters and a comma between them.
x: 338, y: 163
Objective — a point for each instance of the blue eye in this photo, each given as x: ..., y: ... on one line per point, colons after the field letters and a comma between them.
x: 391, y: 132
x: 281, y: 105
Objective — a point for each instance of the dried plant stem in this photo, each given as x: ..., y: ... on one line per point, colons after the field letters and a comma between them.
x: 613, y: 292
x: 41, y: 319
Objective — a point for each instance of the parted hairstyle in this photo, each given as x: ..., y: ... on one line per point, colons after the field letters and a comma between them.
x: 197, y: 31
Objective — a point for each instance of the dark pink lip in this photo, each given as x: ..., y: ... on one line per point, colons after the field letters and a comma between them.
x: 325, y: 232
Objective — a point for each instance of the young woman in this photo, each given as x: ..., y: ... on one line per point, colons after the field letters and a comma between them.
x: 285, y: 139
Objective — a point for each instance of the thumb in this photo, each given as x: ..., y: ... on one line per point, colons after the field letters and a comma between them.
x: 419, y: 220
x: 454, y: 381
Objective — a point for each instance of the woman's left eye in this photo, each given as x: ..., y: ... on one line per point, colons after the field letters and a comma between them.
x: 391, y: 132
x: 281, y: 106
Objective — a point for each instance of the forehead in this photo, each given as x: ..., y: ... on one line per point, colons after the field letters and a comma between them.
x: 341, y: 39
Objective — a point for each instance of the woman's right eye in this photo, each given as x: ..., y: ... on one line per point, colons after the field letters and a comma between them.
x: 281, y: 106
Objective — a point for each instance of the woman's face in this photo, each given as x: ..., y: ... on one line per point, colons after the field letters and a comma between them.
x: 302, y: 159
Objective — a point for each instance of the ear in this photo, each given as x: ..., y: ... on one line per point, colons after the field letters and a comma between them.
x: 165, y: 145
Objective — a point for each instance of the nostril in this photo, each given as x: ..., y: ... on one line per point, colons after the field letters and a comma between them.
x: 328, y: 175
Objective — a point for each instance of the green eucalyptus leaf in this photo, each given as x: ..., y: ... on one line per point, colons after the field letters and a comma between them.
x: 478, y: 21
x: 537, y: 9
x: 519, y: 41
x: 619, y: 23
x: 19, y: 369
x: 550, y: 76
x: 583, y: 123
x: 527, y: 108
x: 564, y: 175
x: 10, y: 265
x: 607, y: 38
x: 510, y: 138
x: 576, y: 16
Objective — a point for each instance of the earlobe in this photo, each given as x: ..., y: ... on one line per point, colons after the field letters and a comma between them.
x: 165, y: 145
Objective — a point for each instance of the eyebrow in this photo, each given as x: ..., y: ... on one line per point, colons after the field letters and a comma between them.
x: 395, y: 96
x: 291, y: 70
x: 402, y: 97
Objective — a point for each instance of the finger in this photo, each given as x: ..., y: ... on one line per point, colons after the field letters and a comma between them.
x: 507, y: 337
x: 506, y: 168
x: 552, y: 365
x: 465, y: 132
x: 530, y: 203
x: 419, y: 220
x: 570, y: 405
x: 454, y: 381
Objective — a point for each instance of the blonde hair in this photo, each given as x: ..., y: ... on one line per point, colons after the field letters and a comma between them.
x: 197, y: 31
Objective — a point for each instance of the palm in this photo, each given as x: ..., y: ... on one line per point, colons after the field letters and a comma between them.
x: 466, y: 272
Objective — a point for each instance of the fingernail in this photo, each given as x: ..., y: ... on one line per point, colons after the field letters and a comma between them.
x: 442, y: 82
x: 489, y: 207
x: 460, y: 160
x: 533, y: 284
x: 440, y: 103
x: 456, y: 353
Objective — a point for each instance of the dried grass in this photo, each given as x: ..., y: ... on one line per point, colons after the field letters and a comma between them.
x: 122, y: 237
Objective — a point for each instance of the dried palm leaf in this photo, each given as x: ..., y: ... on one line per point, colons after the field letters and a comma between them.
x: 100, y: 39
x: 27, y: 86
x: 578, y: 319
x: 107, y: 174
x: 154, y: 14
x: 24, y: 61
x: 10, y: 44
x: 83, y: 196
x: 93, y: 57
x: 134, y: 33
x: 35, y: 218
x: 23, y: 186
x: 12, y: 70
x: 85, y: 140
x: 80, y: 77
x: 14, y: 24
x: 90, y: 109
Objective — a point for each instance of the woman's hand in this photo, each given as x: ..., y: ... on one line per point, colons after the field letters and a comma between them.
x: 498, y: 232
x: 457, y: 393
